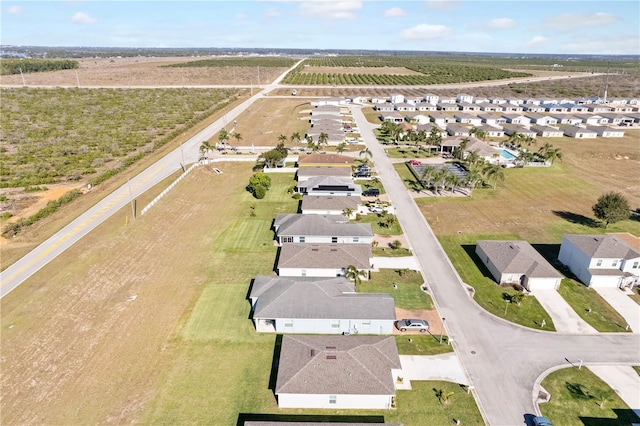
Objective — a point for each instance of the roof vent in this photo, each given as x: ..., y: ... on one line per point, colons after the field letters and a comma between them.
x: 334, y: 249
x: 314, y: 249
x: 331, y: 357
x: 313, y: 352
x: 330, y: 347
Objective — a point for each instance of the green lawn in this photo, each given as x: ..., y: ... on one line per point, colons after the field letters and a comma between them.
x: 636, y: 295
x: 370, y: 184
x: 422, y: 345
x: 488, y: 294
x: 576, y: 396
x: 581, y: 298
x: 407, y: 177
x: 637, y: 368
x: 389, y: 252
x: 408, y: 295
x: 375, y: 221
x: 409, y: 152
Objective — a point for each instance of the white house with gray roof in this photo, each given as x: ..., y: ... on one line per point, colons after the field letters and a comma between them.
x: 314, y: 228
x: 517, y: 262
x: 306, y: 173
x: 337, y: 372
x: 319, y: 306
x: 315, y: 204
x: 601, y: 260
x: 322, y: 260
x: 329, y: 186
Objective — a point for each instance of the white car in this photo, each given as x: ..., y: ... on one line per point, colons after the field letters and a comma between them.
x: 412, y: 324
x: 376, y: 209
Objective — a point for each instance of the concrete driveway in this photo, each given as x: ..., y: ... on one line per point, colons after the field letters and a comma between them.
x: 621, y: 302
x: 564, y: 317
x: 445, y: 367
x: 405, y: 262
x: 623, y: 380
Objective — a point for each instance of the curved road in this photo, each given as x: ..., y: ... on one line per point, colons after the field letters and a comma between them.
x: 503, y: 360
x: 28, y: 265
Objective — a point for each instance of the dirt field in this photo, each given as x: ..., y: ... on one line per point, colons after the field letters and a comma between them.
x: 361, y: 70
x: 83, y: 339
x: 146, y: 72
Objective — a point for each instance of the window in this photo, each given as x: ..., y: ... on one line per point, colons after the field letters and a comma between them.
x: 303, y: 272
x: 332, y: 399
x: 615, y: 262
x: 599, y: 262
x: 335, y: 324
x: 366, y: 323
x: 287, y: 239
x: 635, y: 265
x: 288, y: 323
x: 356, y: 239
x: 302, y: 239
x: 334, y: 240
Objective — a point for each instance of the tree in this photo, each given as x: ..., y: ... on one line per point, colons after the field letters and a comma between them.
x: 353, y: 274
x: 223, y: 136
x: 463, y: 146
x: 282, y: 139
x: 295, y: 137
x: 323, y: 139
x: 238, y: 137
x: 611, y: 207
x: 553, y: 154
x: 387, y: 220
x: 272, y: 158
x: 517, y: 298
x: 396, y: 245
x: 494, y: 173
x: 342, y: 147
x: 428, y: 172
x: 479, y: 133
x: 435, y: 137
x: 260, y: 179
x: 443, y: 396
x: 366, y: 153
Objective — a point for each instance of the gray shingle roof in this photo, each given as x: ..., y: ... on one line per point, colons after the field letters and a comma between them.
x: 302, y: 255
x: 517, y: 257
x: 322, y: 298
x: 316, y: 159
x: 603, y: 246
x: 331, y: 183
x: 356, y: 365
x: 324, y: 171
x: 320, y: 225
x: 318, y: 202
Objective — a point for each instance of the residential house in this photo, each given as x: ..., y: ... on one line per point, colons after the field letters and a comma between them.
x: 465, y: 118
x: 385, y: 107
x: 607, y: 132
x: 515, y: 101
x: 517, y: 119
x: 315, y: 204
x: 492, y: 120
x: 404, y: 106
x: 327, y: 109
x: 512, y: 108
x: 463, y: 97
x: 622, y: 108
x: 466, y: 106
x: 598, y: 108
x: 447, y: 100
x: 446, y: 106
x: 579, y: 132
x: 541, y: 119
x: 617, y: 119
x: 322, y: 260
x: 337, y: 372
x: 490, y: 107
x: 306, y: 173
x: 396, y: 98
x: 334, y: 136
x: 547, y: 131
x: 318, y: 306
x: 590, y: 119
x: 510, y: 129
x: 377, y: 100
x: 517, y: 262
x: 325, y: 160
x: 427, y: 128
x: 431, y: 98
x: 492, y: 132
x: 417, y: 118
x: 533, y: 108
x: 394, y: 117
x: 497, y: 101
x: 441, y: 119
x: 458, y: 130
x: 601, y: 260
x: 554, y: 108
x: 329, y: 185
x: 315, y: 228
x: 329, y: 101
x: 566, y: 119
x: 425, y: 106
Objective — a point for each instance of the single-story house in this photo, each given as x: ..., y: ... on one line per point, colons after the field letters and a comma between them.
x: 492, y: 120
x: 547, y: 131
x: 335, y: 136
x: 541, y: 119
x: 589, y: 119
x: 567, y: 119
x: 329, y: 185
x: 314, y: 204
x: 320, y: 118
x: 315, y: 228
x: 447, y: 100
x: 465, y: 118
x: 533, y: 108
x: 377, y: 100
x: 325, y: 160
x: 394, y: 117
x: 319, y: 306
x: 385, y: 107
x: 579, y: 132
x: 404, y: 106
x: 601, y: 260
x: 517, y: 262
x: 458, y: 130
x: 554, y: 108
x: 329, y: 101
x: 497, y: 101
x: 598, y: 108
x: 492, y: 132
x: 431, y: 98
x: 322, y: 260
x: 466, y: 106
x: 425, y: 106
x: 442, y: 106
x: 463, y: 97
x: 515, y: 101
x: 617, y: 119
x: 418, y: 118
x: 306, y: 173
x: 621, y: 108
x: 511, y: 107
x: 396, y: 98
x: 427, y: 128
x: 327, y: 109
x: 517, y: 119
x: 337, y: 372
x: 490, y: 107
x: 510, y: 129
x: 607, y: 132
x: 481, y: 148
x: 441, y: 119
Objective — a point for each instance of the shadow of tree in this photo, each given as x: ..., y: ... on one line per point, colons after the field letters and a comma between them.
x: 577, y: 218
x: 578, y: 390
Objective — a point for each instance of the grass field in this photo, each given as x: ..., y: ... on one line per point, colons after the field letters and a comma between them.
x: 421, y: 345
x: 576, y: 396
x: 375, y: 221
x: 407, y: 295
x: 409, y: 152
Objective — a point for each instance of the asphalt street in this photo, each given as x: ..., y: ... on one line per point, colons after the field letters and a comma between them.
x: 503, y: 360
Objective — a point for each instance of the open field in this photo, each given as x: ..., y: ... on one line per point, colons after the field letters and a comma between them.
x: 576, y: 395
x: 408, y: 295
x: 144, y: 71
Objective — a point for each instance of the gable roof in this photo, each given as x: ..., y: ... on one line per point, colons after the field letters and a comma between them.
x: 320, y: 225
x: 356, y: 365
x: 517, y: 257
x: 331, y: 183
x: 305, y: 255
x: 324, y: 171
x: 603, y: 246
x: 317, y: 159
x: 319, y: 202
x: 322, y: 298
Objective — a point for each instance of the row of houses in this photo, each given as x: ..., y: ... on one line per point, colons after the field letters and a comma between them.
x: 596, y: 260
x: 323, y: 363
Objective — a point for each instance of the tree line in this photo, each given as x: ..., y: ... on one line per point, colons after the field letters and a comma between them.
x: 15, y: 66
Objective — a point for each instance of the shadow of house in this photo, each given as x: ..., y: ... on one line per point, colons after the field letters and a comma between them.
x: 624, y: 417
x: 277, y: 347
x: 251, y: 419
x: 470, y: 249
x: 577, y: 218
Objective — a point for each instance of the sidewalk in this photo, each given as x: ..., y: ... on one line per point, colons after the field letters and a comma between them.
x: 434, y: 367
x: 621, y: 302
x: 564, y: 317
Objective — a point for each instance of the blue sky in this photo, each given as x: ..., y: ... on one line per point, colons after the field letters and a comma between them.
x: 580, y: 27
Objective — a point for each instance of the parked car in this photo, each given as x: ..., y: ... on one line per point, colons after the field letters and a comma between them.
x: 362, y: 175
x: 371, y: 192
x: 541, y: 421
x: 415, y: 162
x: 376, y: 209
x: 364, y: 168
x: 412, y: 324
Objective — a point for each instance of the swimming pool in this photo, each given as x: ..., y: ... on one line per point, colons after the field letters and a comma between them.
x: 506, y: 154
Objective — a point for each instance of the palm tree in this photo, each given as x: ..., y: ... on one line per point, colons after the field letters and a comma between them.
x: 282, y: 139
x: 478, y: 133
x: 435, y: 137
x: 342, y: 147
x: 452, y: 181
x: 463, y: 145
x: 472, y: 158
x: 347, y: 212
x: 544, y: 149
x: 440, y: 178
x: 443, y: 396
x: 205, y: 148
x: 323, y: 139
x: 473, y: 178
x: 353, y: 274
x: 238, y: 137
x: 553, y: 154
x: 295, y: 136
x: 223, y: 136
x: 494, y: 173
x: 516, y: 139
x: 311, y: 144
x: 427, y: 175
x: 366, y: 153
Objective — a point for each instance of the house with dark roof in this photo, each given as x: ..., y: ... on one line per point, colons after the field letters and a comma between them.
x: 315, y: 204
x: 329, y: 185
x: 601, y: 260
x: 322, y: 260
x: 319, y: 306
x: 315, y: 228
x: 547, y: 131
x: 517, y: 262
x: 510, y: 129
x: 337, y: 372
x: 306, y: 173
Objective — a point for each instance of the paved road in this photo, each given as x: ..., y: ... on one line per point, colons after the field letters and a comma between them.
x: 503, y: 360
x: 28, y: 265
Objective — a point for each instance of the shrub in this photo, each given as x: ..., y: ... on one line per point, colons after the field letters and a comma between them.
x: 259, y: 192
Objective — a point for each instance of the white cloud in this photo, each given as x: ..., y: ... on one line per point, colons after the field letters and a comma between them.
x: 330, y: 9
x: 426, y: 31
x: 83, y: 18
x: 574, y: 21
x: 273, y: 13
x: 393, y: 12
x: 15, y: 10
x: 442, y: 4
x: 537, y: 41
x: 242, y: 16
x: 620, y: 45
x: 502, y: 23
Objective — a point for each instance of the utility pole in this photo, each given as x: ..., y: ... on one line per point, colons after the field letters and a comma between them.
x: 133, y: 209
x: 77, y: 78
x: 22, y: 76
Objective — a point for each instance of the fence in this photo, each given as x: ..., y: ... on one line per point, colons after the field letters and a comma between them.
x: 169, y: 188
